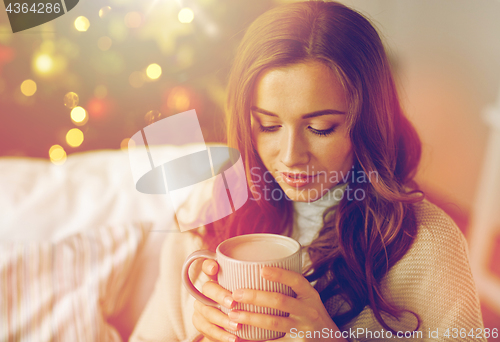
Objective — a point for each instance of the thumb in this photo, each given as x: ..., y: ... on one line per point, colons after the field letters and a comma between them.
x: 210, y: 268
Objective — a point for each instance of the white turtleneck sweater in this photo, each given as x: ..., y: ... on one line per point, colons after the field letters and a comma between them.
x: 433, y: 280
x: 308, y: 218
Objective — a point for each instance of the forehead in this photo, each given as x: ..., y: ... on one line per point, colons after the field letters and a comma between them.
x: 299, y: 88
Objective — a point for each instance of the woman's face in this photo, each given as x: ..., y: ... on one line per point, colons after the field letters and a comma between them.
x: 299, y: 129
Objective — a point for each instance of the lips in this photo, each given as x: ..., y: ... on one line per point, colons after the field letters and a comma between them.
x: 297, y: 179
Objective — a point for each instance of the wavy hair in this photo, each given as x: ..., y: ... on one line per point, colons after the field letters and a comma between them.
x: 360, y: 240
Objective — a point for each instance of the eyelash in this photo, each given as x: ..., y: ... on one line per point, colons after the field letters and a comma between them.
x: 321, y: 133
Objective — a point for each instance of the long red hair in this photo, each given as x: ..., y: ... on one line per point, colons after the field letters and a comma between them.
x: 360, y: 240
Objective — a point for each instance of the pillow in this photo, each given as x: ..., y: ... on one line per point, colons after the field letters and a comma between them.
x: 64, y: 291
x: 42, y: 204
x: 43, y: 201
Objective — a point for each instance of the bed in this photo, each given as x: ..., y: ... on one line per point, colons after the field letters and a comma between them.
x: 78, y: 246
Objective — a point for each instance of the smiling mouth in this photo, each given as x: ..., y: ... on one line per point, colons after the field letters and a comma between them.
x: 297, y: 179
x: 292, y: 175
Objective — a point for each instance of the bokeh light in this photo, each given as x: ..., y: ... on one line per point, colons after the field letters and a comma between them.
x: 28, y: 87
x: 104, y: 43
x: 178, y: 99
x: 74, y: 137
x: 48, y: 65
x: 152, y: 116
x: 137, y: 79
x: 101, y: 91
x: 82, y: 23
x: 133, y: 19
x: 186, y: 15
x: 79, y: 116
x: 99, y: 108
x: 126, y: 144
x: 211, y: 30
x: 44, y: 63
x: 103, y: 12
x: 57, y: 154
x: 71, y: 100
x: 153, y: 71
x: 7, y: 54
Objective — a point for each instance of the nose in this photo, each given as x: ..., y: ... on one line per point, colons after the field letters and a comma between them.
x: 293, y: 149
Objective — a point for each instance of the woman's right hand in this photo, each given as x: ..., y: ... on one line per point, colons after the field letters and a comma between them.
x: 209, y: 320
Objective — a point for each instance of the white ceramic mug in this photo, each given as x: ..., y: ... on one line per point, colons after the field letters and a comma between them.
x: 240, y: 259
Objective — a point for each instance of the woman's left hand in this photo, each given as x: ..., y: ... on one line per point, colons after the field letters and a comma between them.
x: 307, y: 312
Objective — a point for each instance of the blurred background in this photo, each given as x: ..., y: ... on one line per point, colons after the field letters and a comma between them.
x: 92, y: 78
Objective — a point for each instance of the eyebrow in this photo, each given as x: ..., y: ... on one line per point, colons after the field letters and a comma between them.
x: 305, y: 116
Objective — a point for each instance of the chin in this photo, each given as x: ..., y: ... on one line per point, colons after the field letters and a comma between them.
x: 306, y: 194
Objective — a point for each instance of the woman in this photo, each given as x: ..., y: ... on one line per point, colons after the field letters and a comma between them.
x: 330, y: 160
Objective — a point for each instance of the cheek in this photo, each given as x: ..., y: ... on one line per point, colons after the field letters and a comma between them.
x: 337, y: 156
x: 268, y: 151
x: 260, y: 146
x: 347, y: 157
x: 264, y: 149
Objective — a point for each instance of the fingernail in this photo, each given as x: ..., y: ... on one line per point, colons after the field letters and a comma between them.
x: 212, y: 269
x: 228, y: 301
x: 238, y: 294
x: 233, y: 314
x: 233, y: 325
x: 232, y: 339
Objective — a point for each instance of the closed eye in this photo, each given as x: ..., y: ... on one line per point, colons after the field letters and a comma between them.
x: 322, y: 133
x: 319, y: 132
x: 269, y: 128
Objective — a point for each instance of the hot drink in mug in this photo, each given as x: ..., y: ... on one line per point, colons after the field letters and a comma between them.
x: 240, y: 259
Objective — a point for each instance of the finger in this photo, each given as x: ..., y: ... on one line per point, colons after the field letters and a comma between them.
x: 211, y: 331
x: 273, y: 300
x: 296, y: 281
x: 215, y: 316
x: 210, y: 268
x: 219, y: 294
x: 270, y: 322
